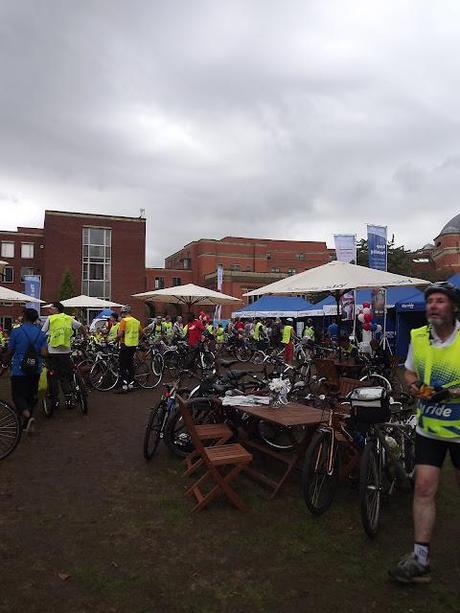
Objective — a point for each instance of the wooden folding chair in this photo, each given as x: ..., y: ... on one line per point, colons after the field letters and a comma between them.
x: 213, y: 435
x: 223, y: 464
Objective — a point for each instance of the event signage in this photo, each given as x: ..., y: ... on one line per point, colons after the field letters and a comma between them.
x: 345, y: 247
x: 220, y: 277
x: 220, y: 280
x: 32, y: 287
x: 377, y: 247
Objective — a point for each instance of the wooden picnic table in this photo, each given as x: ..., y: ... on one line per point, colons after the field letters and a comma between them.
x: 288, y: 415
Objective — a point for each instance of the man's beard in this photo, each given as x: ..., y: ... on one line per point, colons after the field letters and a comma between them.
x: 440, y: 322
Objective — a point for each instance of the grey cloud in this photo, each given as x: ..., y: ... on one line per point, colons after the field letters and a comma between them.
x: 232, y: 118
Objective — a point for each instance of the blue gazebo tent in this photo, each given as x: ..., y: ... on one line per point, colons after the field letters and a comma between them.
x: 410, y: 313
x: 275, y: 306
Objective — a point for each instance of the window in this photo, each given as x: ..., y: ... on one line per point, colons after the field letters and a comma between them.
x: 7, y: 249
x: 8, y: 274
x: 234, y: 267
x: 187, y: 263
x: 269, y: 256
x: 26, y: 272
x: 97, y: 262
x: 6, y: 322
x: 27, y: 251
x: 276, y: 270
x: 292, y: 271
x: 159, y: 283
x: 300, y: 257
x: 176, y: 281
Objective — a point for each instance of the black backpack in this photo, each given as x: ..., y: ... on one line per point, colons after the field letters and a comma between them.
x: 29, y: 363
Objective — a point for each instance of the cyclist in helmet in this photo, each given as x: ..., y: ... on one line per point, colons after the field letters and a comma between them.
x: 433, y: 374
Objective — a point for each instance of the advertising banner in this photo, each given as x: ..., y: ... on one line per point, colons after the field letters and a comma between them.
x: 377, y: 247
x: 220, y: 281
x: 32, y: 287
x: 378, y: 297
x: 220, y: 277
x: 345, y: 247
x: 347, y: 302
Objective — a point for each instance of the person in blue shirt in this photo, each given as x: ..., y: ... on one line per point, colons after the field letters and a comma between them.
x: 24, y: 387
x: 333, y: 331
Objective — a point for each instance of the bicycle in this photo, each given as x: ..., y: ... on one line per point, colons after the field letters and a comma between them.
x: 388, y: 460
x: 104, y: 374
x: 333, y: 454
x: 156, y: 427
x: 78, y: 396
x: 10, y: 429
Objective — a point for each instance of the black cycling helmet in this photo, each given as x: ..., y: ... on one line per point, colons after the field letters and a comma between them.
x: 446, y: 288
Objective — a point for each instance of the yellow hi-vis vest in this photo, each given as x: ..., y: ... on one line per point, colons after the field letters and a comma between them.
x: 60, y: 330
x: 437, y: 367
x: 131, y: 337
x: 309, y: 332
x: 287, y: 333
x: 220, y: 335
x: 256, y: 332
x: 113, y: 332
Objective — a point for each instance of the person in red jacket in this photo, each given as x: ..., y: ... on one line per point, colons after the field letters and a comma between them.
x: 195, y: 330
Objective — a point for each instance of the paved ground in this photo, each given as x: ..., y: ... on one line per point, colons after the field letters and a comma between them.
x: 87, y: 525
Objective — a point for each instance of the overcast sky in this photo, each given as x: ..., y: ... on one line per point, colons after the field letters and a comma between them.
x: 286, y: 119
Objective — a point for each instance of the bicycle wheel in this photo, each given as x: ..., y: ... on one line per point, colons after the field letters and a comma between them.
x: 158, y: 365
x: 207, y: 360
x: 144, y: 375
x: 102, y: 377
x: 243, y: 353
x: 10, y: 429
x: 258, y: 357
x: 84, y: 367
x: 370, y: 489
x: 81, y: 394
x: 153, y: 430
x: 47, y: 406
x: 176, y: 436
x: 320, y: 475
x: 171, y: 360
x: 274, y: 436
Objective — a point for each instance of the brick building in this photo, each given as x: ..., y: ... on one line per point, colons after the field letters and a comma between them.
x: 248, y: 263
x: 446, y: 252
x: 105, y: 256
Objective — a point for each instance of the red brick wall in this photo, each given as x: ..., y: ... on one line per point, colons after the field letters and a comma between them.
x: 63, y: 250
x: 23, y: 235
x: 446, y: 255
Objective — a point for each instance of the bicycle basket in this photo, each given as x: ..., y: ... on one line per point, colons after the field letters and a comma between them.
x: 370, y: 405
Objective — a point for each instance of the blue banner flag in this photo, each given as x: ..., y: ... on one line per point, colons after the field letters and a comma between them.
x: 377, y: 247
x: 32, y: 287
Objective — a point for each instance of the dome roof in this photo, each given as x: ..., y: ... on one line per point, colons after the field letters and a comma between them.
x: 452, y: 226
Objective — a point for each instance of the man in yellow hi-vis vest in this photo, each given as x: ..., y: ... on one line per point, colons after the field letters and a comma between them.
x: 60, y: 328
x: 433, y: 374
x: 112, y: 335
x: 129, y: 333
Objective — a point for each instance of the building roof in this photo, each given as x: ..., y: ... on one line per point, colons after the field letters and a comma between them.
x: 452, y: 226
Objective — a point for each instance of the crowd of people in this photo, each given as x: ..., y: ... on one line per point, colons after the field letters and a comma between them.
x: 432, y: 364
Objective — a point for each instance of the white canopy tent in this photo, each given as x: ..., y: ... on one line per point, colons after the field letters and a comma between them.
x: 10, y: 295
x: 189, y: 295
x: 89, y: 302
x: 336, y: 278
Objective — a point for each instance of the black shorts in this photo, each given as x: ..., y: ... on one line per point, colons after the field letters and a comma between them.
x: 432, y: 451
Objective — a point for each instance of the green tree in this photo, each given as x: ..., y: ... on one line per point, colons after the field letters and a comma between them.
x: 399, y: 258
x: 67, y: 288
